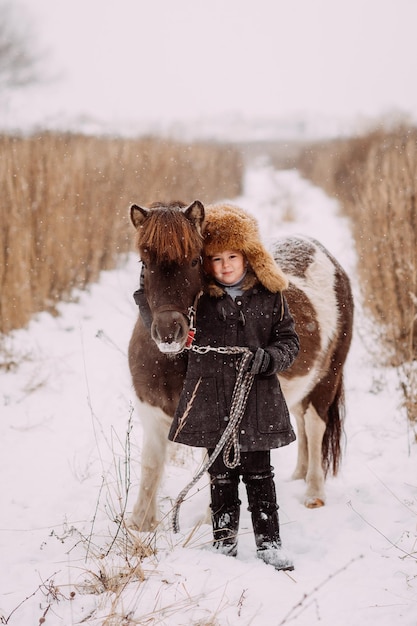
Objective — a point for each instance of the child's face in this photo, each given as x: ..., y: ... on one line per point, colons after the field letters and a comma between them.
x: 228, y: 267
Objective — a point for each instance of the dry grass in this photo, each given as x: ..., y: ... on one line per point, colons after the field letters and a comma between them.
x: 64, y: 206
x: 375, y: 178
x: 120, y: 561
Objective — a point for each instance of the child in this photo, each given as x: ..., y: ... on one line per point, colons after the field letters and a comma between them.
x: 242, y: 305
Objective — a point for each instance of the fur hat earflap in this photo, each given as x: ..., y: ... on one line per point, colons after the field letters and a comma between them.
x: 228, y: 227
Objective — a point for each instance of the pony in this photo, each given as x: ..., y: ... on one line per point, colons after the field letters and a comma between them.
x: 169, y: 241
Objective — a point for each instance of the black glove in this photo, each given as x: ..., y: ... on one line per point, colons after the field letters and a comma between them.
x: 260, y: 362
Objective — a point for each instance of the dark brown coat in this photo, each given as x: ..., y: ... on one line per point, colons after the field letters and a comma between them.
x: 256, y: 319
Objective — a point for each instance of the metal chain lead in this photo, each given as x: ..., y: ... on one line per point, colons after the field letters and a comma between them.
x: 230, y: 438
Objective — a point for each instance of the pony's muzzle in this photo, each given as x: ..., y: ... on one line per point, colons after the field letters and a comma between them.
x: 169, y: 331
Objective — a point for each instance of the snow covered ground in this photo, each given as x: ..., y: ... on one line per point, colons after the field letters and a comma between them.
x: 70, y: 461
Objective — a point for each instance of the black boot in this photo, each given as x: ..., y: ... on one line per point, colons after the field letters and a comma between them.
x: 265, y: 521
x: 225, y: 513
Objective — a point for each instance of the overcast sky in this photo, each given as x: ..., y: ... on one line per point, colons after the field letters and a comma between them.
x: 169, y: 60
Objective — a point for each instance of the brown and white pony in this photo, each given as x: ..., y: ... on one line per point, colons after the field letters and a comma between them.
x: 169, y: 242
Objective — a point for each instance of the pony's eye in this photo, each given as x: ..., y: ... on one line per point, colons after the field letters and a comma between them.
x: 194, y: 262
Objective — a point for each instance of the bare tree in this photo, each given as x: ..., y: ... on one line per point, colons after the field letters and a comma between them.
x: 19, y: 63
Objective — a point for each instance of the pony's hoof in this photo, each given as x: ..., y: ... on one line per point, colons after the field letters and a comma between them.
x: 132, y: 525
x: 142, y: 525
x: 313, y: 503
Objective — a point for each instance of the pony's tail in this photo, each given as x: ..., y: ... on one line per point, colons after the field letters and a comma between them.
x: 331, y: 451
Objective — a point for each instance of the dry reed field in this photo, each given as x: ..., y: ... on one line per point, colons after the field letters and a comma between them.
x: 64, y: 207
x: 375, y: 179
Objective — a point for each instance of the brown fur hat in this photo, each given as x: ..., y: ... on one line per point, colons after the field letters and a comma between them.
x: 227, y: 227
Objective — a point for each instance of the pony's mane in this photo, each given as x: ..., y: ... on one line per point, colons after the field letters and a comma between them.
x: 167, y: 235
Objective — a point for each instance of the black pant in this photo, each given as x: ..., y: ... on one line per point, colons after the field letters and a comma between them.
x: 257, y: 473
x: 253, y: 463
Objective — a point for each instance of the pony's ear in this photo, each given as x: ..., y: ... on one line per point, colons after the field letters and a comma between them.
x: 195, y: 213
x: 138, y: 215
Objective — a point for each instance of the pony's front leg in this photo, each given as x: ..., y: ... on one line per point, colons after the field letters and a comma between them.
x: 314, y: 429
x: 156, y: 425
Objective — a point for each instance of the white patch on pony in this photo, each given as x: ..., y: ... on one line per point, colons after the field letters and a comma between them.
x: 319, y: 285
x: 297, y: 388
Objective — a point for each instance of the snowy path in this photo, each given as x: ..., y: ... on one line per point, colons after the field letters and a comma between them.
x: 65, y: 410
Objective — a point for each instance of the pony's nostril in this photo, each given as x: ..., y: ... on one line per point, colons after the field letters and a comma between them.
x: 156, y: 335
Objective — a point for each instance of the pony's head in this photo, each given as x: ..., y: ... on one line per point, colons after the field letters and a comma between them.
x: 169, y: 241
